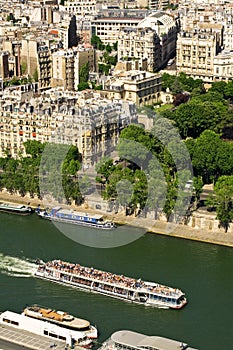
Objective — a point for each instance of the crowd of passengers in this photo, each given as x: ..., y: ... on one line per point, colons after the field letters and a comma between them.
x: 109, y: 277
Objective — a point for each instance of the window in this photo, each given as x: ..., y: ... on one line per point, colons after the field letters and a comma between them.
x: 53, y: 335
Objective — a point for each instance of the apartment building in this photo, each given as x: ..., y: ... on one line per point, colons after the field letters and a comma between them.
x: 223, y: 66
x: 13, y: 46
x: 108, y: 23
x: 158, y: 4
x: 77, y: 7
x: 140, y: 87
x: 66, y: 65
x: 154, y: 38
x: 84, y: 119
x: 196, y: 50
x: 36, y: 58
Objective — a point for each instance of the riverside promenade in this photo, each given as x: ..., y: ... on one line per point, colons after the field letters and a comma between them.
x: 150, y: 225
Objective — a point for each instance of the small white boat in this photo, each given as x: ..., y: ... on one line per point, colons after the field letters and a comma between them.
x: 16, y: 209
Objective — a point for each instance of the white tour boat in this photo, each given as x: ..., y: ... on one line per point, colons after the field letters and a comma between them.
x: 117, y: 286
x: 128, y: 340
x: 44, y: 328
x: 62, y: 319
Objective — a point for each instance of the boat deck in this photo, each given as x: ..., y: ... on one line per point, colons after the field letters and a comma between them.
x: 59, y: 316
x: 28, y: 339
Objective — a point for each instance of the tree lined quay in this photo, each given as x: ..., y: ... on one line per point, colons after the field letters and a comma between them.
x: 145, y: 176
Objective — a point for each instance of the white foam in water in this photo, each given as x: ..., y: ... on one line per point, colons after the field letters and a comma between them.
x: 16, y: 267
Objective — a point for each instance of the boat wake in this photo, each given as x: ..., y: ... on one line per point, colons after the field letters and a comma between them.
x: 16, y: 267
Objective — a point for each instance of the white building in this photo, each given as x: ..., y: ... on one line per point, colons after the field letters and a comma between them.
x: 79, y: 7
x: 223, y: 66
x: 154, y: 38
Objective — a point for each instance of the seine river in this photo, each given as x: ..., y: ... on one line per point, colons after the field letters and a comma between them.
x: 203, y: 271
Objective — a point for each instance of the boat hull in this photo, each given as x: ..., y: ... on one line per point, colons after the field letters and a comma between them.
x: 11, y: 210
x: 55, y: 219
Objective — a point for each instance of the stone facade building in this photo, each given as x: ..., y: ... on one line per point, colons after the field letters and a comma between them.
x: 84, y: 119
x: 66, y: 65
x: 154, y: 38
x: 140, y: 87
x: 196, y: 50
x: 36, y: 57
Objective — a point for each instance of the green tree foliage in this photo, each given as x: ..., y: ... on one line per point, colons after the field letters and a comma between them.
x: 181, y: 83
x: 224, y: 199
x: 104, y: 68
x: 197, y: 189
x: 35, y: 75
x: 97, y: 43
x: 194, y: 117
x: 84, y: 73
x: 115, y: 46
x: 40, y: 169
x: 148, y: 168
x: 82, y: 86
x: 211, y: 156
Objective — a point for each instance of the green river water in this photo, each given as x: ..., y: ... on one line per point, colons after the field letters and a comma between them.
x: 203, y: 271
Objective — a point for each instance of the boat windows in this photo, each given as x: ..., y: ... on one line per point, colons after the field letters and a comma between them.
x: 61, y: 337
x: 15, y: 323
x: 53, y: 335
x: 180, y: 299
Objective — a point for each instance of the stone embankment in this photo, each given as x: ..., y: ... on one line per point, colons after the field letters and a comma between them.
x: 202, y: 226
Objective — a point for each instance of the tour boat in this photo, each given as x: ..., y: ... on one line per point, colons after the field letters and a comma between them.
x: 129, y: 340
x: 16, y: 209
x: 117, y: 286
x: 45, y: 328
x: 58, y: 214
x: 62, y: 319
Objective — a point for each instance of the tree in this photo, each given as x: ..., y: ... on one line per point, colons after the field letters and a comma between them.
x: 24, y: 67
x: 97, y: 43
x: 204, y: 157
x: 35, y: 75
x: 34, y: 148
x: 124, y: 190
x: 108, y: 48
x: 105, y: 167
x: 211, y: 156
x: 194, y: 117
x: 82, y: 86
x: 115, y: 45
x: 224, y: 197
x: 84, y: 73
x: 218, y: 86
x: 104, y: 68
x: 198, y: 187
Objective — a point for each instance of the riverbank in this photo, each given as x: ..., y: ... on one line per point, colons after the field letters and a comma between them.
x: 150, y: 225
